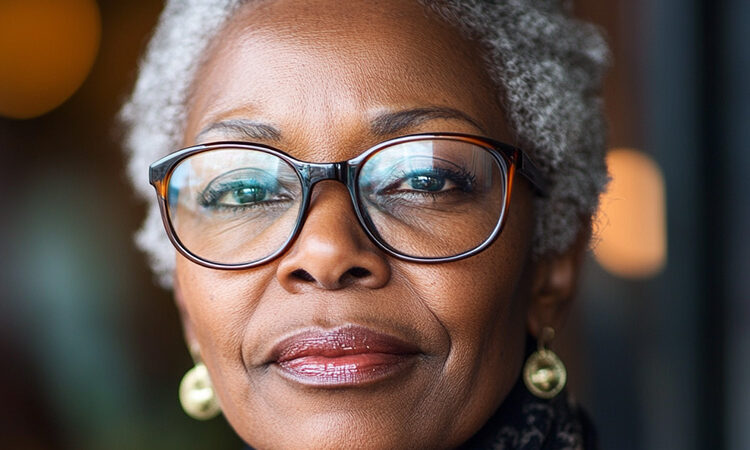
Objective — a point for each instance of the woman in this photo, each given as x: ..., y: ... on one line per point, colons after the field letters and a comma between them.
x: 352, y: 269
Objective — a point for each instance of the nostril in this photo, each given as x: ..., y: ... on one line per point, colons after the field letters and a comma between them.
x: 358, y: 272
x: 353, y: 274
x: 348, y: 277
x: 302, y: 274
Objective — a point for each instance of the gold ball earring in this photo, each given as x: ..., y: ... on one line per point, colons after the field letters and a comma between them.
x: 544, y: 373
x: 197, y: 394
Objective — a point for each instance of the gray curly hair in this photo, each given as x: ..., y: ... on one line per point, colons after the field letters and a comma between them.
x: 548, y: 67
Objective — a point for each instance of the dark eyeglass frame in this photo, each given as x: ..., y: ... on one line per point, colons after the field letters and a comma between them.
x: 347, y: 173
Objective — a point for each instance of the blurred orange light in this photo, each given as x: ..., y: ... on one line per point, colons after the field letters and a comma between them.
x: 47, y: 48
x: 631, y: 223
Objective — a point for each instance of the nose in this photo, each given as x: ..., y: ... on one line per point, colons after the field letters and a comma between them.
x: 332, y: 250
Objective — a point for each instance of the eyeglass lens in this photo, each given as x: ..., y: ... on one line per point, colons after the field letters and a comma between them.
x: 426, y: 199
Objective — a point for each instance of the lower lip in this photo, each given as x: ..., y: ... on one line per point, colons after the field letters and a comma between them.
x: 347, y: 370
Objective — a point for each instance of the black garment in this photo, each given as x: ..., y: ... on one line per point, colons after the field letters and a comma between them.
x: 525, y: 422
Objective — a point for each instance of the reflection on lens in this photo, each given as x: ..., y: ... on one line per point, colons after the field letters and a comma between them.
x: 233, y: 206
x: 416, y: 195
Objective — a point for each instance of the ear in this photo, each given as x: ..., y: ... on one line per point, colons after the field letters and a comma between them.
x: 554, y: 282
x: 187, y: 324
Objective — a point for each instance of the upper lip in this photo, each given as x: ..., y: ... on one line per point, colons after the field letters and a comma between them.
x: 348, y: 340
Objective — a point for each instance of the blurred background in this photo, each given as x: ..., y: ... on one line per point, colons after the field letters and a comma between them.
x: 657, y: 346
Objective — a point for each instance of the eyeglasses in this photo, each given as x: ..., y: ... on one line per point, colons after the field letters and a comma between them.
x: 425, y: 198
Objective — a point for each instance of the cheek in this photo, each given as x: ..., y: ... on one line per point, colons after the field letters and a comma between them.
x: 481, y: 297
x: 479, y: 301
x: 481, y: 304
x: 218, y: 307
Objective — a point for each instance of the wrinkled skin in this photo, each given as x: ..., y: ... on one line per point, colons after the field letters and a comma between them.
x: 319, y: 71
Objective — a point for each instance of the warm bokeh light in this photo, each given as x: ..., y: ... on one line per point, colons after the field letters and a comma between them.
x: 47, y: 48
x: 631, y: 224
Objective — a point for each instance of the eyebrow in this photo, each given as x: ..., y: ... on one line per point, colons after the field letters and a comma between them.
x: 391, y: 123
x: 243, y: 129
x: 385, y: 124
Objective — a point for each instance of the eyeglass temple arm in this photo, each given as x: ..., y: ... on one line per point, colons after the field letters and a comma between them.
x: 532, y: 173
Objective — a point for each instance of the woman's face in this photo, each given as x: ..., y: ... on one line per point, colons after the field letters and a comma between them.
x: 433, y: 348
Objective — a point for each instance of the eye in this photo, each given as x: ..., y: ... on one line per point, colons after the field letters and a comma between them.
x: 430, y: 183
x: 244, y: 188
x: 244, y: 195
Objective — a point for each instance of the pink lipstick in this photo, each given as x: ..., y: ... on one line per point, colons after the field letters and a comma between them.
x: 348, y: 356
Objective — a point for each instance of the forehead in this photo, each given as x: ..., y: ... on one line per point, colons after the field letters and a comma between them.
x: 334, y: 64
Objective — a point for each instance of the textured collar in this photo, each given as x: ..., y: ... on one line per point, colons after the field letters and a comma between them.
x: 525, y: 422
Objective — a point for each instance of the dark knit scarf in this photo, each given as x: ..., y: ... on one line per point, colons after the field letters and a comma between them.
x: 525, y: 422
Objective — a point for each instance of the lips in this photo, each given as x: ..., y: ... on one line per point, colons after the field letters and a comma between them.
x: 347, y: 356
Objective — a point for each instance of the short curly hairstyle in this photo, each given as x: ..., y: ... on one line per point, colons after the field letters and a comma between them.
x: 547, y: 65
